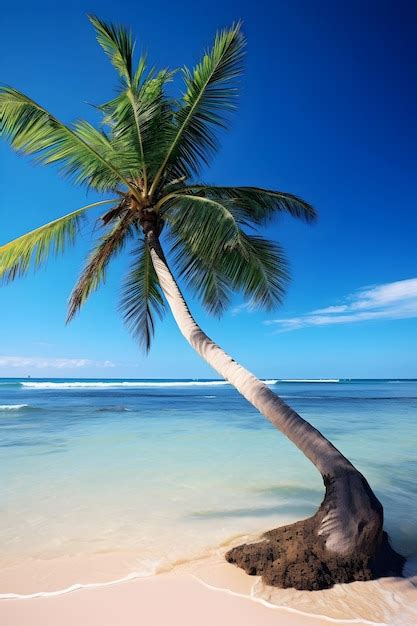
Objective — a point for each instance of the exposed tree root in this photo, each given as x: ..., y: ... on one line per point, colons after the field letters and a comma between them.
x: 298, y: 555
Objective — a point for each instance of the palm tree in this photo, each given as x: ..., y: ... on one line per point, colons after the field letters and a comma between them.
x: 146, y: 155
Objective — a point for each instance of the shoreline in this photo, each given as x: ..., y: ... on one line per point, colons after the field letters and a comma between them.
x: 84, y: 571
x: 200, y: 597
x: 210, y: 587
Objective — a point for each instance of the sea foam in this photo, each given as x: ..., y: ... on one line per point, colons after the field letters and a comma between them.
x: 12, y: 407
x: 310, y: 380
x: 128, y: 384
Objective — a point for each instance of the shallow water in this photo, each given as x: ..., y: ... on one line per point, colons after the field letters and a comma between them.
x: 136, y: 477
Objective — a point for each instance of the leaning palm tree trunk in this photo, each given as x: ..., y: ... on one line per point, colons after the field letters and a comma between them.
x: 344, y: 540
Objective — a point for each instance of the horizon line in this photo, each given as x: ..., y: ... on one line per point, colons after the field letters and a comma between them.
x: 279, y: 380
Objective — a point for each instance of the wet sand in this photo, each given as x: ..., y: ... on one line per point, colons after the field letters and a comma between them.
x: 164, y: 600
x: 210, y: 592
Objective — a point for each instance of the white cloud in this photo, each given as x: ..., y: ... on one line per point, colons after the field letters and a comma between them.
x: 332, y: 309
x: 390, y: 301
x: 248, y: 307
x: 46, y: 362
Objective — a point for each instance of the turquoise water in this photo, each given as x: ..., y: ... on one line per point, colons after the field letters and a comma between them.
x: 155, y: 472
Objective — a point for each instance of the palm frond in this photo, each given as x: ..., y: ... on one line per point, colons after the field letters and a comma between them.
x: 138, y: 117
x: 34, y: 247
x: 136, y: 113
x: 209, y: 98
x: 118, y: 44
x: 94, y: 272
x: 259, y: 205
x: 82, y: 152
x: 258, y: 268
x: 203, y: 278
x: 205, y: 224
x: 155, y: 111
x: 142, y: 298
x: 216, y: 256
x: 254, y: 266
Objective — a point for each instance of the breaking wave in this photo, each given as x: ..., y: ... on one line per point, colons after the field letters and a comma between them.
x: 128, y: 384
x: 13, y: 407
x: 310, y: 380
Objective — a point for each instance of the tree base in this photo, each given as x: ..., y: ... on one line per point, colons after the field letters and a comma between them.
x: 296, y: 555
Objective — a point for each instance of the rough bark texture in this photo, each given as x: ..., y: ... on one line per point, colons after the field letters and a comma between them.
x: 344, y: 541
x: 297, y: 555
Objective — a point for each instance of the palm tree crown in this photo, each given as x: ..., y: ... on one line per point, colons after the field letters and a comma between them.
x: 147, y: 154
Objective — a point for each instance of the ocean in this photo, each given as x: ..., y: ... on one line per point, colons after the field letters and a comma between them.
x: 107, y: 479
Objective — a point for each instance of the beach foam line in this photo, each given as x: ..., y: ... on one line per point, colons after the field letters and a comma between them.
x: 13, y: 407
x: 253, y: 595
x: 129, y: 384
x: 70, y: 589
x: 310, y: 380
x: 155, y: 568
x: 259, y: 600
x: 136, y: 576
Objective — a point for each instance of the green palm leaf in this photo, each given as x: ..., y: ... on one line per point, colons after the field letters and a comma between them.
x: 137, y: 113
x: 204, y: 224
x: 118, y: 44
x: 255, y: 267
x: 138, y: 117
x: 94, y: 272
x: 142, y: 298
x: 82, y: 152
x: 216, y: 256
x: 34, y: 247
x: 203, y: 278
x: 258, y: 205
x: 210, y: 95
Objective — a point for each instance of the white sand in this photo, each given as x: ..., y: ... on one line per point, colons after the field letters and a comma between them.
x: 176, y: 599
x: 211, y: 592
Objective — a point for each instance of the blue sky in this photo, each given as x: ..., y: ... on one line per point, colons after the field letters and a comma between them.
x: 327, y: 111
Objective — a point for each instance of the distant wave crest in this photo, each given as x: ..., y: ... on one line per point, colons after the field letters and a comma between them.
x: 310, y: 380
x: 13, y: 407
x: 128, y: 384
x: 119, y: 384
x: 10, y: 384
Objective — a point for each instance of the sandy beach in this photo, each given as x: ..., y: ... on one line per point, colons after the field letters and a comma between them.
x: 173, y: 599
x: 210, y: 591
x: 159, y: 601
